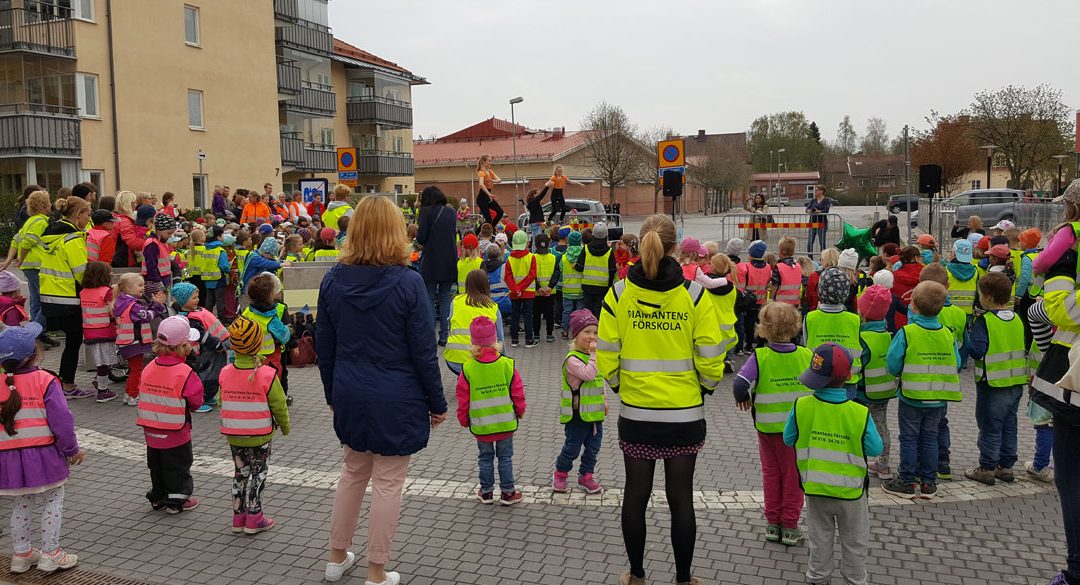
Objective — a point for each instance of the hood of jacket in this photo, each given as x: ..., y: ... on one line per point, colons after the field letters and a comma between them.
x: 519, y: 253
x: 336, y: 204
x: 60, y: 226
x: 213, y: 244
x: 366, y: 287
x: 123, y: 300
x: 491, y: 264
x: 572, y: 253
x: 668, y: 275
x: 721, y: 290
x: 961, y: 270
x: 598, y: 247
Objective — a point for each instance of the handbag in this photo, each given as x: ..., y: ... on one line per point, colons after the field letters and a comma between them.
x: 744, y: 299
x: 303, y: 355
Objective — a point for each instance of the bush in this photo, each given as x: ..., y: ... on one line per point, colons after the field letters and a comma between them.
x: 8, y: 229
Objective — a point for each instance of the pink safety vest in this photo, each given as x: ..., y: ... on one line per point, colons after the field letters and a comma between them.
x: 95, y: 311
x: 164, y: 259
x: 94, y: 239
x: 790, y: 290
x: 125, y: 329
x: 31, y: 422
x: 755, y: 280
x: 161, y: 396
x: 209, y: 323
x: 245, y: 410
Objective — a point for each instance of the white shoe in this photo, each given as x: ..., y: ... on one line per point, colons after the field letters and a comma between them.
x: 131, y: 401
x: 24, y: 564
x: 57, y: 560
x: 392, y: 578
x: 334, y: 571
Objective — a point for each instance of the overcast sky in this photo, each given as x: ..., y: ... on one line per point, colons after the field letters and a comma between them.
x: 713, y: 64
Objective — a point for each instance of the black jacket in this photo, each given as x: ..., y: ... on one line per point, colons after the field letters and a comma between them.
x: 438, y: 262
x: 597, y: 247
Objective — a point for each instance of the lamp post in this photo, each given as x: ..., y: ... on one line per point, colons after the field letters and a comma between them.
x: 778, y: 183
x: 989, y: 161
x: 513, y: 138
x: 1061, y: 162
x: 770, y: 177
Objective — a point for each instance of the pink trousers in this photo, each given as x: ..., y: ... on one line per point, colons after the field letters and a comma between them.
x: 780, y: 481
x: 386, y: 475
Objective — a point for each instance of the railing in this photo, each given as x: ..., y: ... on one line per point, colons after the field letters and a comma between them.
x: 319, y: 158
x: 385, y: 163
x: 50, y: 32
x: 286, y: 10
x: 378, y: 110
x: 34, y: 129
x: 288, y: 77
x: 292, y: 149
x: 938, y: 218
x: 315, y: 98
x: 306, y: 36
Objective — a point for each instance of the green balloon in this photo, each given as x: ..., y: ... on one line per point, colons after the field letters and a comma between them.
x: 857, y: 239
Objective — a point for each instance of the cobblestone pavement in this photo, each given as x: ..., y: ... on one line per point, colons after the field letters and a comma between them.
x: 969, y: 534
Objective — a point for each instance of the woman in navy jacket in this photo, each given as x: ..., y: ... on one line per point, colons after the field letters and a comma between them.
x: 380, y: 372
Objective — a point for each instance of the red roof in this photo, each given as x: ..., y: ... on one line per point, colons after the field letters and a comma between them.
x: 491, y: 128
x: 347, y: 50
x: 493, y: 137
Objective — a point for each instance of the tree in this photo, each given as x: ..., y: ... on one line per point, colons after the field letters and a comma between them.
x: 789, y: 131
x: 814, y: 133
x: 876, y: 139
x: 613, y: 150
x: 949, y: 143
x: 846, y: 138
x: 720, y: 169
x: 1027, y: 127
x: 650, y: 170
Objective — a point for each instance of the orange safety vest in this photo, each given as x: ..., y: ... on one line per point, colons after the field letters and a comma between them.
x: 164, y: 259
x: 245, y: 410
x: 756, y: 280
x: 790, y: 290
x: 161, y: 396
x: 125, y: 329
x: 95, y: 311
x: 210, y: 324
x: 31, y: 422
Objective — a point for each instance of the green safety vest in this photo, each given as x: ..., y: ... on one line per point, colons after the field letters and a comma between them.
x: 595, y: 271
x: 196, y: 261
x: 930, y: 365
x: 545, y: 269
x: 268, y: 343
x: 778, y: 386
x: 491, y: 410
x: 1005, y: 364
x: 962, y: 292
x: 839, y: 328
x: 29, y: 239
x: 954, y: 319
x: 1033, y: 359
x: 459, y: 343
x: 330, y: 218
x: 571, y: 280
x: 62, y: 266
x: 880, y: 385
x: 1035, y: 289
x: 465, y: 265
x: 724, y: 305
x: 589, y: 396
x: 326, y: 255
x: 829, y: 449
x: 211, y: 272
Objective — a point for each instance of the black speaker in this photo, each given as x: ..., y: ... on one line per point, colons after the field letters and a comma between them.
x: 672, y: 181
x: 929, y: 179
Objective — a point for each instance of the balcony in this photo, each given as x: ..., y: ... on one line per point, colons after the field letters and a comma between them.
x: 39, y: 130
x: 305, y: 36
x: 315, y: 100
x: 288, y: 79
x: 286, y: 10
x: 292, y: 149
x: 384, y: 163
x: 319, y: 158
x: 47, y: 32
x: 370, y: 109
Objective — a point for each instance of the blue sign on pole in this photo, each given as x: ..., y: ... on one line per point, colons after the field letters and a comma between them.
x: 347, y: 176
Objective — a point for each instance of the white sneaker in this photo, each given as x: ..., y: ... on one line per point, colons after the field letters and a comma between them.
x: 56, y: 560
x: 1045, y: 474
x: 23, y: 564
x: 334, y: 571
x: 392, y: 578
x: 130, y: 401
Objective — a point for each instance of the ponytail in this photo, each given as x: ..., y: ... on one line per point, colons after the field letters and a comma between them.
x: 10, y: 407
x: 657, y: 240
x: 652, y: 250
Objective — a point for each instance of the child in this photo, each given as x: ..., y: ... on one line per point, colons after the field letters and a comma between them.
x: 997, y: 345
x: 196, y: 262
x: 962, y: 277
x: 12, y: 303
x: 582, y: 406
x: 831, y: 322
x: 472, y: 301
x: 688, y: 257
x: 786, y: 282
x: 767, y: 385
x: 722, y: 292
x: 99, y: 329
x: 470, y: 259
x: 954, y: 319
x: 252, y: 405
x: 273, y: 319
x: 876, y: 387
x: 1001, y: 261
x: 35, y: 464
x: 490, y: 377
x: 929, y: 379
x: 264, y: 261
x: 133, y: 333
x: 547, y: 278
x: 825, y: 429
x: 215, y: 272
x: 325, y: 249
x: 572, y: 296
x: 520, y: 276
x: 208, y: 353
x: 170, y: 391
x: 493, y: 265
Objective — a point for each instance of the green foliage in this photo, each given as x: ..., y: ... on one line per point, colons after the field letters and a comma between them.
x: 7, y: 220
x: 790, y: 131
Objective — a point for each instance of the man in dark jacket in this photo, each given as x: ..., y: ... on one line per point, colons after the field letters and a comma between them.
x: 438, y: 259
x: 596, y: 254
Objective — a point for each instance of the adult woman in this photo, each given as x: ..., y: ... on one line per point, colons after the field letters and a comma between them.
x: 974, y: 226
x: 61, y: 273
x: 905, y: 278
x: 485, y: 200
x: 438, y: 262
x: 217, y: 207
x: 255, y: 211
x: 757, y: 205
x: 385, y: 390
x: 130, y: 238
x: 819, y: 207
x: 659, y: 346
x: 557, y: 183
x: 22, y: 214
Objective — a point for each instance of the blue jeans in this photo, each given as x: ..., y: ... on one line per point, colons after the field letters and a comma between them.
x: 818, y: 233
x: 1044, y: 446
x: 569, y: 306
x: 521, y: 309
x: 580, y: 433
x: 534, y: 230
x: 504, y: 450
x: 34, y: 284
x: 944, y: 442
x: 439, y: 292
x: 919, y: 442
x: 995, y: 413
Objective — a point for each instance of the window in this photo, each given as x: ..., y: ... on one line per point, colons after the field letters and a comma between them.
x: 810, y: 191
x: 48, y: 9
x: 198, y: 185
x: 194, y: 109
x: 84, y: 10
x: 398, y: 144
x: 98, y: 179
x: 399, y: 189
x: 327, y: 136
x: 191, y: 25
x: 976, y: 184
x: 86, y: 92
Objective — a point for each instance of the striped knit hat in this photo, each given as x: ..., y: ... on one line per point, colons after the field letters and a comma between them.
x: 245, y: 336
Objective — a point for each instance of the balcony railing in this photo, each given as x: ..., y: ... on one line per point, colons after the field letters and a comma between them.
x: 286, y: 10
x: 38, y: 130
x: 319, y: 158
x: 370, y: 109
x: 292, y: 149
x: 288, y: 77
x: 315, y: 99
x: 384, y: 163
x: 46, y: 32
x: 306, y: 36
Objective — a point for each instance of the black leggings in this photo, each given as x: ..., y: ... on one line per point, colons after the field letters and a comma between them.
x: 71, y: 325
x: 679, y: 487
x: 558, y: 204
x: 486, y: 204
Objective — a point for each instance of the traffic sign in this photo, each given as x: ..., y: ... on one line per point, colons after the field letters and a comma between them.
x: 670, y: 154
x: 350, y: 178
x: 660, y: 174
x: 346, y: 159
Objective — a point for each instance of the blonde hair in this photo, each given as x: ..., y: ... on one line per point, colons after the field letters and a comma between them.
x: 128, y: 280
x: 71, y: 206
x: 712, y: 247
x: 480, y: 162
x: 771, y: 260
x: 657, y: 240
x: 722, y: 265
x: 477, y: 349
x: 38, y: 203
x: 376, y: 235
x: 935, y: 272
x: 558, y: 169
x: 977, y: 221
x: 830, y: 257
x: 928, y: 297
x: 125, y: 203
x: 180, y: 351
x: 1014, y: 236
x: 342, y: 192
x: 778, y: 322
x: 294, y: 241
x: 787, y: 246
x: 806, y: 264
x: 198, y: 237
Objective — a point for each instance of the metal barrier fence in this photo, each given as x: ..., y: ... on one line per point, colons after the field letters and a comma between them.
x: 771, y: 227
x: 938, y: 219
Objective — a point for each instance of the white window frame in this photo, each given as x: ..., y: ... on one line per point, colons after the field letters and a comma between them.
x: 202, y: 114
x: 199, y: 198
x: 78, y: 12
x: 198, y: 26
x: 80, y: 95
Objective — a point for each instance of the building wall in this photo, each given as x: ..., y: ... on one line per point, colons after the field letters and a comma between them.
x: 999, y: 179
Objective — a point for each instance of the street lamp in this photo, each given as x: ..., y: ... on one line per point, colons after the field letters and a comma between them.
x: 513, y: 138
x: 989, y: 160
x: 778, y: 163
x: 1061, y: 161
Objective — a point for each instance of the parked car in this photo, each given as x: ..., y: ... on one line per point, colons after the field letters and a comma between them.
x: 990, y: 205
x: 589, y: 210
x: 779, y: 201
x: 899, y: 203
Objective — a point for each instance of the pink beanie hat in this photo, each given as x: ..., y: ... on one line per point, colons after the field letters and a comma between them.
x: 482, y: 332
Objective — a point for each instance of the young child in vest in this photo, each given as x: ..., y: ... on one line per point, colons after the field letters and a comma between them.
x: 215, y: 272
x: 169, y: 390
x: 12, y: 303
x: 133, y: 332
x: 877, y: 387
x: 570, y: 278
x: 37, y: 447
x: 196, y: 260
x: 753, y: 276
x: 252, y: 406
x: 997, y: 345
x: 929, y: 379
x: 582, y: 406
x: 826, y: 429
x: 831, y: 322
x: 520, y: 277
x: 273, y: 319
x: 786, y: 281
x: 209, y: 352
x: 766, y: 385
x: 99, y: 329
x: 491, y: 400
x: 547, y: 278
x: 493, y: 266
x: 470, y: 259
x: 722, y: 293
x: 294, y: 248
x: 473, y: 301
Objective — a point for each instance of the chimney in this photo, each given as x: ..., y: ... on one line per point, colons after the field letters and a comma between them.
x: 701, y: 135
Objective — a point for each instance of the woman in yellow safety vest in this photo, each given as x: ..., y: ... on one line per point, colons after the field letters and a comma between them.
x: 62, y: 270
x: 28, y: 245
x: 661, y: 350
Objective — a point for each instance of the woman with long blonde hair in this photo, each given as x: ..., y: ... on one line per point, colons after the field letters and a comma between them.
x: 485, y: 199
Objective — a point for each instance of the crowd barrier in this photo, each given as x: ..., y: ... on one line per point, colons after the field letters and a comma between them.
x: 938, y: 219
x: 772, y: 227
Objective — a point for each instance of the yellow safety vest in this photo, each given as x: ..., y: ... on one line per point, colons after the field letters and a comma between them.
x: 465, y: 265
x: 268, y: 343
x: 778, y: 386
x: 571, y: 280
x: 196, y: 261
x: 326, y: 256
x: 209, y: 257
x: 930, y: 368
x: 459, y: 344
x: 724, y: 305
x: 595, y: 271
x: 330, y: 217
x: 62, y: 267
x: 1005, y: 363
x: 879, y: 384
x: 829, y: 447
x: 29, y: 239
x: 962, y: 292
x: 840, y: 328
x: 545, y: 269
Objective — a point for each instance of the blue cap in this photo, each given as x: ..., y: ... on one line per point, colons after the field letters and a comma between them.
x: 19, y: 343
x: 564, y: 232
x: 830, y: 367
x: 757, y: 249
x: 266, y: 229
x: 962, y: 249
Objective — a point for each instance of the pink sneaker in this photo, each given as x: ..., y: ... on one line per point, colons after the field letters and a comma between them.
x: 257, y: 523
x: 558, y: 481
x: 590, y: 484
x: 239, y: 521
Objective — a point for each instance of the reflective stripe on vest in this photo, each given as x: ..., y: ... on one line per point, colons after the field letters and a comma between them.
x: 930, y: 365
x: 595, y: 270
x: 1005, y: 363
x: 587, y: 399
x: 164, y: 261
x: 491, y: 410
x: 756, y: 281
x: 161, y: 396
x: 64, y: 260
x: 962, y: 292
x: 545, y: 269
x: 31, y: 232
x: 31, y: 421
x: 778, y: 386
x: 459, y: 345
x: 95, y: 311
x: 790, y: 289
x: 209, y: 263
x: 465, y: 265
x: 840, y: 328
x: 210, y: 325
x: 880, y: 385
x: 571, y: 279
x: 245, y: 410
x: 326, y: 255
x: 196, y: 261
x: 93, y: 244
x: 725, y: 313
x: 125, y: 329
x: 268, y: 342
x: 829, y: 449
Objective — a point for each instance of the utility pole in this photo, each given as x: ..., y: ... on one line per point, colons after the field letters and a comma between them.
x: 907, y: 181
